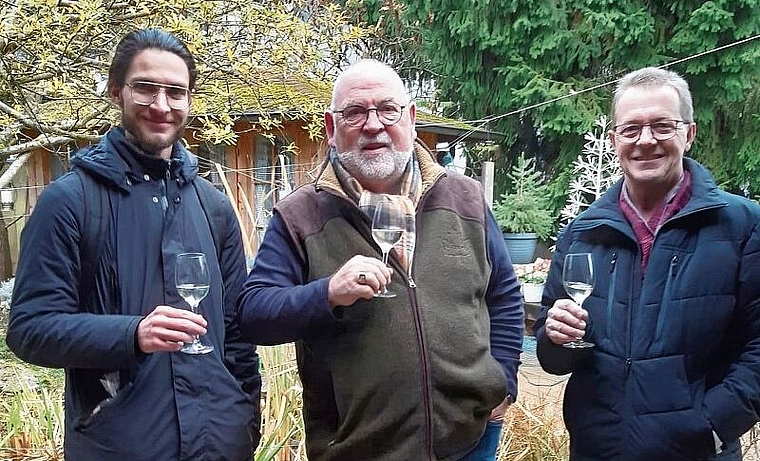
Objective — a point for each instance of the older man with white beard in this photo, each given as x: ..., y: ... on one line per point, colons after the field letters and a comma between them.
x: 425, y: 375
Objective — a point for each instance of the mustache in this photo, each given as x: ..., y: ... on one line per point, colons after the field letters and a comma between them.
x: 380, y: 138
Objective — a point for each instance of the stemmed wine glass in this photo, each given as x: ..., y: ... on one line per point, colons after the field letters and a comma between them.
x: 388, y: 225
x: 578, y: 279
x: 192, y: 281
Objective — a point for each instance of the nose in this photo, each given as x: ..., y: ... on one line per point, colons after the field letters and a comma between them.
x: 649, y: 138
x: 160, y: 101
x: 373, y: 123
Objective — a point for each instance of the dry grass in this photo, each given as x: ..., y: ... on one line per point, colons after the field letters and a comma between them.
x: 282, y: 429
x: 533, y: 427
x: 533, y: 434
x: 32, y: 416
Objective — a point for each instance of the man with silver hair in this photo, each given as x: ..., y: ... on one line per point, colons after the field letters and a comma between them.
x: 675, y: 309
x: 424, y: 375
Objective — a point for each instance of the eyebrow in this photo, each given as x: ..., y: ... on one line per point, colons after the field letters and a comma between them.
x: 356, y: 103
x: 164, y: 85
x: 640, y: 122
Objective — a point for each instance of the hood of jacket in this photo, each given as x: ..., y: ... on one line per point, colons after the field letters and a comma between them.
x: 118, y: 171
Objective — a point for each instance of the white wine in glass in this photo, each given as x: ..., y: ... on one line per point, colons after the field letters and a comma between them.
x: 192, y: 279
x: 388, y: 225
x: 578, y: 279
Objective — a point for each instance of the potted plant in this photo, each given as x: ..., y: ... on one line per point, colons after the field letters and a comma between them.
x: 524, y: 212
x: 532, y: 278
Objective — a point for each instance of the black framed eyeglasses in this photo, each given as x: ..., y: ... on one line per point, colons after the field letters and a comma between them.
x: 661, y: 130
x: 144, y: 94
x: 389, y: 113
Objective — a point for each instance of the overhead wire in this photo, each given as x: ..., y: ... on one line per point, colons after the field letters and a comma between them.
x: 480, y: 123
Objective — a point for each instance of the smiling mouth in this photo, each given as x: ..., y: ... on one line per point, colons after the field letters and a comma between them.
x: 160, y: 124
x: 648, y: 158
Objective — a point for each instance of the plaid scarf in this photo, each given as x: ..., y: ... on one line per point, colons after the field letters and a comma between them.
x: 406, y: 202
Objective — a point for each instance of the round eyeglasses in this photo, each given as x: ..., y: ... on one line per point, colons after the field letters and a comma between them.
x: 389, y: 113
x: 630, y: 133
x: 145, y: 93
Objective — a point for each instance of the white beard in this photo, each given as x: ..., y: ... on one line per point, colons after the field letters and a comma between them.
x: 389, y: 166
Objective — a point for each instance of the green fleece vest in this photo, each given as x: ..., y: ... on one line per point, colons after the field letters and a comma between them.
x: 406, y: 378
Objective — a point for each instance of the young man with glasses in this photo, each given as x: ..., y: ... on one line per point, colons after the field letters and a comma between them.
x: 675, y: 309
x: 425, y: 375
x: 117, y: 325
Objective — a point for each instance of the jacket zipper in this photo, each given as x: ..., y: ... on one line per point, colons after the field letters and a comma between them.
x: 421, y: 338
x: 424, y: 370
x: 629, y: 328
x: 611, y: 295
x: 664, y: 307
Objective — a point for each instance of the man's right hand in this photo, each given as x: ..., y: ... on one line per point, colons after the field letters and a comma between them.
x: 565, y: 322
x: 168, y: 328
x: 360, y: 278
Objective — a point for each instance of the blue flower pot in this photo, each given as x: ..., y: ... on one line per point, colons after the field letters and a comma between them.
x: 521, y: 246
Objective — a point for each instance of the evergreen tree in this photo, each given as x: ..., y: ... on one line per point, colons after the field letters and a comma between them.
x: 492, y: 57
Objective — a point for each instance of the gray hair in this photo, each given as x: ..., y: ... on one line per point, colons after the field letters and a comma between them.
x: 653, y: 76
x: 367, y: 67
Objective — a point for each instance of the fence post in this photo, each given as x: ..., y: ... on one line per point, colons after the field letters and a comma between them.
x: 486, y: 178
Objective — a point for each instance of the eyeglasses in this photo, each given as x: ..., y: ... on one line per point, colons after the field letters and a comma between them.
x: 389, y: 113
x: 144, y: 94
x: 662, y: 130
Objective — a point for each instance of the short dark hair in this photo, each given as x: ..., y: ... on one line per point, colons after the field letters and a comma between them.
x: 139, y: 40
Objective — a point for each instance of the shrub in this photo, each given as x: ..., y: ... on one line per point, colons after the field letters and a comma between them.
x: 525, y: 207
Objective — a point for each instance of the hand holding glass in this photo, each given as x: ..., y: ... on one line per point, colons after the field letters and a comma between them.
x: 192, y: 279
x: 388, y: 224
x: 578, y: 279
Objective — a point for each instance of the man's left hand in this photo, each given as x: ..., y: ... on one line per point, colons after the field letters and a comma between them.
x: 497, y: 414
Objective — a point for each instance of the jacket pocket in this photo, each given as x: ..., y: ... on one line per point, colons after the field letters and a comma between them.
x: 666, y: 297
x: 105, y: 409
x: 659, y: 385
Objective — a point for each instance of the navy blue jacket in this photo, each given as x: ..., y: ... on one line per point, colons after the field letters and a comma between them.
x: 677, y: 348
x: 169, y: 406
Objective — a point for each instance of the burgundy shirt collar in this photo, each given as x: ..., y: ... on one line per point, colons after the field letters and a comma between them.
x: 646, y: 231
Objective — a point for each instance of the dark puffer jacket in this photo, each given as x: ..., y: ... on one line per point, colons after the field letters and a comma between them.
x: 677, y: 349
x: 170, y: 406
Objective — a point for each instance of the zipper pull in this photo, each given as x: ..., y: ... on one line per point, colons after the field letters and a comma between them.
x: 411, y: 282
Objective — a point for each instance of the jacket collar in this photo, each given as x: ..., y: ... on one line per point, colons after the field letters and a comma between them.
x: 116, y: 161
x: 705, y: 195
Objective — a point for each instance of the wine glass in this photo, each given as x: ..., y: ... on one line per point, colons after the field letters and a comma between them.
x: 578, y: 279
x: 192, y: 281
x: 388, y: 225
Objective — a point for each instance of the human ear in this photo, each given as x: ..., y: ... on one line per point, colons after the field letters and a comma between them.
x: 116, y: 95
